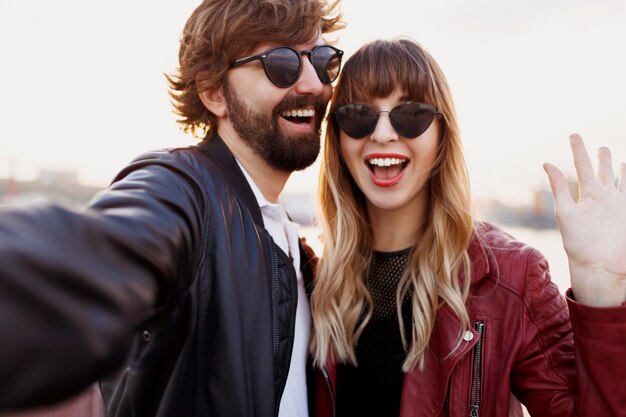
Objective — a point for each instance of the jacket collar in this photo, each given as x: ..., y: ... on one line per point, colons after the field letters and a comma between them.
x: 480, y: 257
x: 214, y: 147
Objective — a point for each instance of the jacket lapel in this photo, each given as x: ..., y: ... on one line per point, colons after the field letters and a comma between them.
x: 215, y: 148
x: 424, y: 390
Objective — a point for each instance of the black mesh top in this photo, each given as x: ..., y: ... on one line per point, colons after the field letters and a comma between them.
x: 373, y: 388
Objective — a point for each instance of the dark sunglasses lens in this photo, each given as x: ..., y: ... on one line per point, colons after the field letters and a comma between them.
x: 412, y: 119
x: 282, y: 66
x: 326, y: 61
x: 356, y: 120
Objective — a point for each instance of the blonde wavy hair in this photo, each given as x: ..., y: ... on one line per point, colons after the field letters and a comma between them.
x: 341, y: 305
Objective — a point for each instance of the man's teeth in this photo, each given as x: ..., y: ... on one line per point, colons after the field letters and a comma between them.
x: 386, y: 162
x: 299, y: 113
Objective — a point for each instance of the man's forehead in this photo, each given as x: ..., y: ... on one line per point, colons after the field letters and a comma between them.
x: 264, y: 46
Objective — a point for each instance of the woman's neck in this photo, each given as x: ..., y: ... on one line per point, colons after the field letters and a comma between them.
x: 395, y: 230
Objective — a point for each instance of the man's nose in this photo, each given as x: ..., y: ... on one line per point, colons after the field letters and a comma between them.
x: 309, y: 82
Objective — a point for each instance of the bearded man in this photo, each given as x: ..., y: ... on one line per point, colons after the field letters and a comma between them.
x: 183, y: 285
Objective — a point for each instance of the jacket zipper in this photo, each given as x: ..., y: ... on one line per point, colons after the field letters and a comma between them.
x: 446, y: 402
x: 276, y: 322
x: 330, y: 388
x: 276, y: 294
x: 477, y: 371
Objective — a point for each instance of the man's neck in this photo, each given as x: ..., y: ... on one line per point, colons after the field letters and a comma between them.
x: 269, y: 180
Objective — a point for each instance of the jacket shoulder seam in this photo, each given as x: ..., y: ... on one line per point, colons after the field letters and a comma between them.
x: 544, y: 352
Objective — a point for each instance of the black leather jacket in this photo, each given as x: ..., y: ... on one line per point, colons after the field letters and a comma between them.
x: 169, y: 274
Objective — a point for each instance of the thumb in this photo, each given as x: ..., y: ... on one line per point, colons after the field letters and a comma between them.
x: 558, y: 185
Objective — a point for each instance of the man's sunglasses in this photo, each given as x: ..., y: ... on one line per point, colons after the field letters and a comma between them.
x: 410, y: 120
x: 283, y: 64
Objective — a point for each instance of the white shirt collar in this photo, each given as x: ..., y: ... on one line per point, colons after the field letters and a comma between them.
x: 273, y: 210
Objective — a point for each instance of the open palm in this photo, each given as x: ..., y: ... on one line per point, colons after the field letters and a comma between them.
x: 593, y: 228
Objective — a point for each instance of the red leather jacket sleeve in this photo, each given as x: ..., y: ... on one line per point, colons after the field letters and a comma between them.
x: 600, y: 341
x: 565, y: 373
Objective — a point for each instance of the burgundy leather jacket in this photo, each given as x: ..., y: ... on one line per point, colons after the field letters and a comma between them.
x: 525, y: 346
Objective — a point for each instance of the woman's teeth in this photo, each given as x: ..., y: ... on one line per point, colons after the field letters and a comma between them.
x: 386, y: 162
x: 387, y: 168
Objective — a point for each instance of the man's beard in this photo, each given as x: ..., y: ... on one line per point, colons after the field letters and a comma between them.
x: 263, y: 133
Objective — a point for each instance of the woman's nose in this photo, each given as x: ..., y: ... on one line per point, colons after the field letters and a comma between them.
x: 384, y: 131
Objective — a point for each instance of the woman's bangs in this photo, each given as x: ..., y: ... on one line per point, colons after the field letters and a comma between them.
x: 380, y: 70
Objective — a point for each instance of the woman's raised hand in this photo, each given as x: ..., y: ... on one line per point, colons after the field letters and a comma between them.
x: 593, y: 228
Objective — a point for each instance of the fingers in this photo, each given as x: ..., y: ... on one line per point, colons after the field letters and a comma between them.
x: 605, y: 167
x: 558, y: 184
x: 621, y: 182
x: 582, y: 163
x: 584, y: 170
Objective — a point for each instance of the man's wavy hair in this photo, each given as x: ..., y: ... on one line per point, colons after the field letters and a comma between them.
x: 341, y: 304
x: 220, y: 31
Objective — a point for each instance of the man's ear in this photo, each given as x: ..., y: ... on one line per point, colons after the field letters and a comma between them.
x: 213, y: 99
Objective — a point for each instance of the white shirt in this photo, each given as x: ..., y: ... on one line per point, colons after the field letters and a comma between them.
x: 294, y: 402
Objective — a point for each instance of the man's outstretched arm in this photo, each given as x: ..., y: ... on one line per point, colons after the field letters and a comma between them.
x: 74, y: 286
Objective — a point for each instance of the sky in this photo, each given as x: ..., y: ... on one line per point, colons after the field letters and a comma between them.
x: 83, y: 86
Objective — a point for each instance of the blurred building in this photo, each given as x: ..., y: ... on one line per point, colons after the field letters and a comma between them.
x: 61, y: 187
x: 537, y: 214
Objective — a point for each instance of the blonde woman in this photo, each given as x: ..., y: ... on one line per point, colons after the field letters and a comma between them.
x: 420, y: 310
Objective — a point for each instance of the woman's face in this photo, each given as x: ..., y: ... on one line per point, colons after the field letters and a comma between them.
x: 392, y: 171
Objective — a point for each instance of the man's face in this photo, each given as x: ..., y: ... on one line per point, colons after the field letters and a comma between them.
x: 282, y: 125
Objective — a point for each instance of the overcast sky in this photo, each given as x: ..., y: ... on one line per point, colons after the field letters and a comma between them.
x: 83, y: 86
